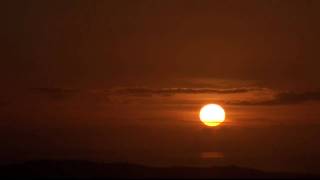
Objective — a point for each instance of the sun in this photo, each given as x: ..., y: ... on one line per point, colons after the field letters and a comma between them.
x: 212, y: 114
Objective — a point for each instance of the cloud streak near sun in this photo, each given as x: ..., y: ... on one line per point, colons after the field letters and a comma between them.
x: 283, y: 98
x: 277, y: 98
x: 173, y: 91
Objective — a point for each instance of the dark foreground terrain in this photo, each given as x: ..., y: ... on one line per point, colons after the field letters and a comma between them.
x: 85, y: 169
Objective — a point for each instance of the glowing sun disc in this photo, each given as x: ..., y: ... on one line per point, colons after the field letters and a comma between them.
x: 212, y: 114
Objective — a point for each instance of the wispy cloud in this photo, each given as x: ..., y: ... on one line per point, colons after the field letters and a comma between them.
x: 125, y: 94
x: 284, y: 98
x: 280, y: 98
x: 173, y: 91
x: 147, y: 91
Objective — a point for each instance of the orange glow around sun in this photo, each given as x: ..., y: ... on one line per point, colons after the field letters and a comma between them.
x: 212, y: 114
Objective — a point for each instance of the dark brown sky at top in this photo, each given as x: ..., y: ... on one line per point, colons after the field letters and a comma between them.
x: 124, y: 81
x: 120, y: 43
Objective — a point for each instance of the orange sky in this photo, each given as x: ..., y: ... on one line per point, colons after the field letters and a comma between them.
x: 125, y: 80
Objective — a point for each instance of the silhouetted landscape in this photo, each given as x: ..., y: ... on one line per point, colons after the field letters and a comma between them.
x: 90, y: 169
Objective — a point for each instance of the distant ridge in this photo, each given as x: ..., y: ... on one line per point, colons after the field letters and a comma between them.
x: 90, y: 169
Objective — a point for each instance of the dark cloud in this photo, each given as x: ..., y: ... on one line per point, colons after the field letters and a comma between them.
x: 63, y: 93
x: 172, y: 91
x: 281, y: 98
x: 284, y: 98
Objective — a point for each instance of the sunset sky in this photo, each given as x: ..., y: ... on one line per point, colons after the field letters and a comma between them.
x: 123, y: 81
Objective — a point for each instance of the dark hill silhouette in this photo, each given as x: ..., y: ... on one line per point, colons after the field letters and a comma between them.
x: 84, y: 169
